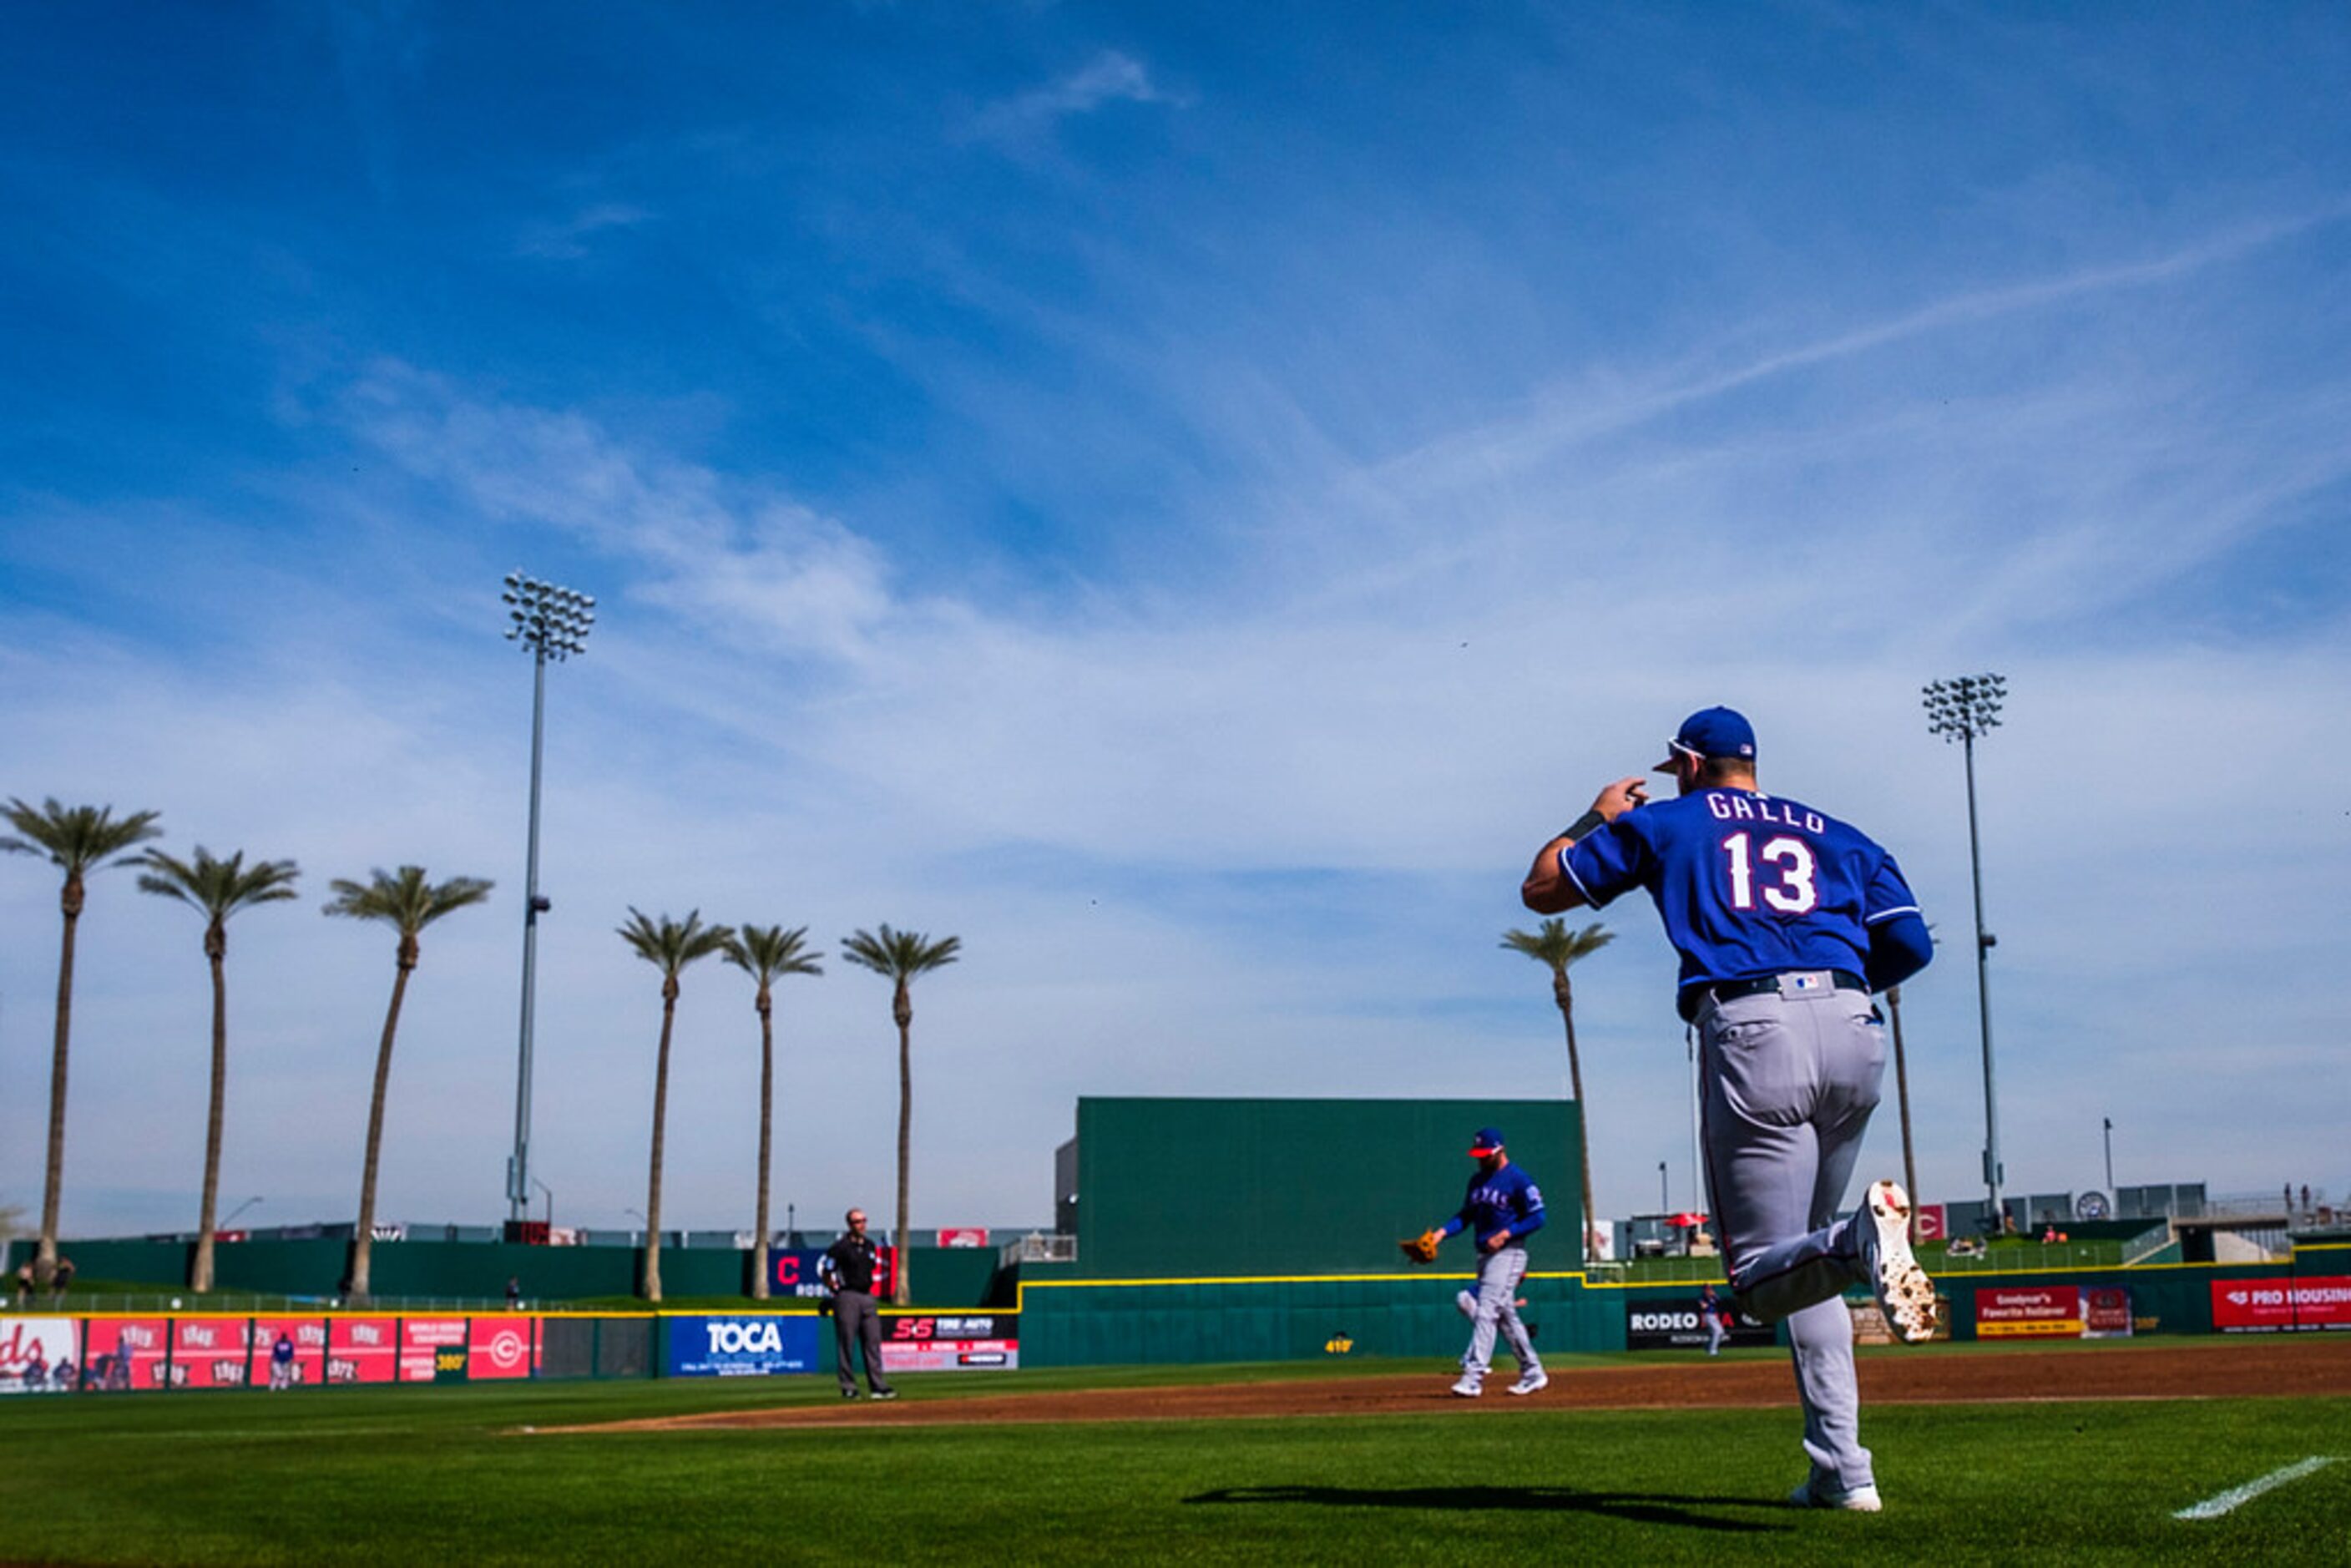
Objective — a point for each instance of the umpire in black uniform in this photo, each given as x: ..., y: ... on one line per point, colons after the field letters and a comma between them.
x: 849, y: 1266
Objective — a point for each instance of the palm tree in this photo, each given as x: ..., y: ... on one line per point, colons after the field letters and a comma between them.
x: 901, y: 956
x: 405, y: 901
x: 670, y: 945
x: 1555, y: 946
x: 215, y: 888
x: 78, y: 839
x: 766, y: 954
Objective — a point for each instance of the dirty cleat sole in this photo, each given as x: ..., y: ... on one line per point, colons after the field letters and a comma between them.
x: 1904, y: 1293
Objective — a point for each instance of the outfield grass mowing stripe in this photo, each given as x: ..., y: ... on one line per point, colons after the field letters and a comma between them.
x: 2214, y: 1507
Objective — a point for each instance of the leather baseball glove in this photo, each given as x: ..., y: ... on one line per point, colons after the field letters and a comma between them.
x: 1422, y: 1249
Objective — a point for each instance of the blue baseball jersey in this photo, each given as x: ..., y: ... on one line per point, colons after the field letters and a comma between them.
x: 1507, y: 1199
x: 1748, y: 884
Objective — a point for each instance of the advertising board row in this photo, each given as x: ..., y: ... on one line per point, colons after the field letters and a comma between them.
x: 762, y: 1345
x: 121, y: 1355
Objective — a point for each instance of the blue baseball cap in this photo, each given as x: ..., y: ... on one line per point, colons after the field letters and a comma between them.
x: 1709, y: 733
x: 1488, y: 1141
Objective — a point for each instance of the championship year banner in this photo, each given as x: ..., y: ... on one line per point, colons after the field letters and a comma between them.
x: 124, y: 1356
x: 39, y: 1355
x: 2039, y: 1311
x: 309, y: 1338
x: 361, y: 1350
x: 2271, y: 1306
x: 738, y: 1346
x: 950, y: 1341
x: 210, y: 1352
x: 1662, y: 1323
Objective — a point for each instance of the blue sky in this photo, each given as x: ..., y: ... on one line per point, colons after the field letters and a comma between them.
x: 1184, y: 500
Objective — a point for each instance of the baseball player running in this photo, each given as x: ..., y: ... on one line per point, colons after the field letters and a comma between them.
x: 1501, y: 1208
x: 1785, y: 919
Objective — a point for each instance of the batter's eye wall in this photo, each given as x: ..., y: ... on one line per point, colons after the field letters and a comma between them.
x: 1180, y: 1188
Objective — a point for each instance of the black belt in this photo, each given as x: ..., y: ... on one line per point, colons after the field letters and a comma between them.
x: 1719, y: 991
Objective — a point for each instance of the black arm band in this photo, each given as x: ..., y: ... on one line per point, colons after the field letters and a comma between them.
x: 1582, y: 825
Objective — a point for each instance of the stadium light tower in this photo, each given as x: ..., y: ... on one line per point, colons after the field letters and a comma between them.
x: 553, y: 624
x: 1963, y: 710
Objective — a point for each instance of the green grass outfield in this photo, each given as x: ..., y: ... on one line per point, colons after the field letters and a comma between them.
x: 444, y: 1475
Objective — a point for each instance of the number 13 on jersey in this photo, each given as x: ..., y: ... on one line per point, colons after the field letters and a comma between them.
x: 1790, y: 869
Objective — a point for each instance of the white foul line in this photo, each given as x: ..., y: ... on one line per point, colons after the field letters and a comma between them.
x: 2214, y: 1507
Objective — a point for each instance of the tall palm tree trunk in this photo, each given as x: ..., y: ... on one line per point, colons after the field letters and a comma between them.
x: 1902, y: 1099
x: 45, y: 1263
x: 653, y: 1290
x: 363, y: 1238
x: 903, y: 1009
x: 767, y: 1134
x: 199, y: 1278
x: 1564, y: 994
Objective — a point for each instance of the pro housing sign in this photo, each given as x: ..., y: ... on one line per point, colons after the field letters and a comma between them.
x: 744, y: 1346
x: 1666, y: 1324
x: 2267, y: 1306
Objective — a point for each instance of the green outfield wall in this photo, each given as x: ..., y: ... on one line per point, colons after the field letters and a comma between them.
x: 944, y: 1277
x: 1192, y: 1189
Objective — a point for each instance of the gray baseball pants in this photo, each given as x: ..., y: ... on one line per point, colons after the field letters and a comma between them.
x: 1499, y: 1273
x: 857, y: 1320
x: 1790, y: 1080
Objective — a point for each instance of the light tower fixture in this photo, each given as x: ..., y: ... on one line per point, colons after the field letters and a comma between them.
x: 552, y: 622
x: 1965, y: 709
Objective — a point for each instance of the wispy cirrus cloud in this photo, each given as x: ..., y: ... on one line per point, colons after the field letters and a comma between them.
x: 566, y: 239
x: 1111, y: 76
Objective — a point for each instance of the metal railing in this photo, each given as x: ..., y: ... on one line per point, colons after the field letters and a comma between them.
x: 1038, y: 1248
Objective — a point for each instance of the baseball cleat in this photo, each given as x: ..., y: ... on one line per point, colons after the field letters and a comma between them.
x: 1530, y: 1381
x: 1904, y: 1293
x: 1466, y: 1302
x: 849, y: 1394
x: 1469, y: 1387
x: 885, y: 1394
x: 1862, y: 1499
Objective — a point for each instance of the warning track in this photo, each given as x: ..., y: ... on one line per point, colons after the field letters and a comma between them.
x: 2191, y: 1369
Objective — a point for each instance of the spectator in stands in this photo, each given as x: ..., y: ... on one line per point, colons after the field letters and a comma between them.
x: 24, y: 1284
x: 514, y: 1293
x: 62, y: 1280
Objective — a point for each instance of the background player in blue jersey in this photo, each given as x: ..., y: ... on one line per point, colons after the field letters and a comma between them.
x: 1785, y: 919
x: 1501, y: 1208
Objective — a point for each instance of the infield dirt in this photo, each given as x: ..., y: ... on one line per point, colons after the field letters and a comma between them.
x: 2195, y: 1369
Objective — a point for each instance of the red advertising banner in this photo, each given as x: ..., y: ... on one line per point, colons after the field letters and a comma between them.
x: 2267, y: 1306
x: 309, y: 1338
x: 2039, y: 1311
x: 37, y: 1354
x: 209, y: 1353
x: 965, y: 1236
x: 360, y: 1350
x: 2107, y: 1312
x: 1933, y: 1222
x: 501, y: 1347
x: 431, y: 1348
x: 121, y: 1355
